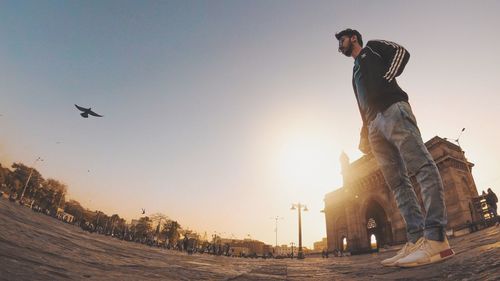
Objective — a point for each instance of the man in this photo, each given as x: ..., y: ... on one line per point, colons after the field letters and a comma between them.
x: 492, y: 200
x: 391, y: 133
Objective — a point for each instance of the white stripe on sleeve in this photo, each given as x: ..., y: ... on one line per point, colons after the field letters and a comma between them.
x: 397, y: 67
x: 393, y: 63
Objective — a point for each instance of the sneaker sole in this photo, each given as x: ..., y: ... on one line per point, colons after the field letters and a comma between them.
x: 443, y: 255
x: 394, y: 264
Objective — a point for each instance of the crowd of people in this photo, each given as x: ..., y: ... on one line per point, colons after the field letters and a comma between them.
x: 193, y: 245
x: 189, y: 243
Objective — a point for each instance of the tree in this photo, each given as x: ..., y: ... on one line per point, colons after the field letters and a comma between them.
x: 20, y: 177
x: 75, y: 209
x: 4, y: 178
x: 51, y: 195
x: 44, y: 198
x: 60, y: 189
x: 171, y: 231
x: 157, y: 219
x: 143, y: 228
x: 118, y: 225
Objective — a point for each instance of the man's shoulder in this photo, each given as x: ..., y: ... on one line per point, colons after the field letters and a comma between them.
x: 378, y: 42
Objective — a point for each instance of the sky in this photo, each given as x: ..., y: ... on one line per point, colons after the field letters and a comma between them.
x: 221, y: 114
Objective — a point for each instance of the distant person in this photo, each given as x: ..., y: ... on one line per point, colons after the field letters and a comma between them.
x: 185, y: 242
x: 391, y: 133
x: 492, y: 200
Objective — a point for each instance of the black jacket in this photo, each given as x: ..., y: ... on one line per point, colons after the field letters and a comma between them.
x: 374, y: 78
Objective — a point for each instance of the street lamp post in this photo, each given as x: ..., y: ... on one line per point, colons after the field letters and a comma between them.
x: 457, y: 140
x: 29, y: 177
x: 299, y: 207
x: 276, y: 228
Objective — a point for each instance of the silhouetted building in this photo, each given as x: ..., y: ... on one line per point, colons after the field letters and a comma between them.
x: 249, y: 246
x: 284, y: 250
x: 362, y: 214
x: 320, y: 245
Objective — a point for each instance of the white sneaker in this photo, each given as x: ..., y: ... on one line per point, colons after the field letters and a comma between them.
x: 406, y: 250
x: 428, y: 251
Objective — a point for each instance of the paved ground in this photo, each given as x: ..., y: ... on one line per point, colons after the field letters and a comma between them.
x: 36, y: 247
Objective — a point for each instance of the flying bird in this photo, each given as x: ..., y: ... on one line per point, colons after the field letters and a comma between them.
x: 143, y: 211
x: 86, y: 111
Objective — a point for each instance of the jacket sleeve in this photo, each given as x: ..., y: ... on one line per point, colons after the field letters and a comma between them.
x: 394, y: 56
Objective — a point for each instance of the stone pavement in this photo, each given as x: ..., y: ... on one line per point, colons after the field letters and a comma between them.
x: 37, y: 247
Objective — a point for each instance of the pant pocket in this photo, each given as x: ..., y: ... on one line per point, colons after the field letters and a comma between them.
x: 408, y: 116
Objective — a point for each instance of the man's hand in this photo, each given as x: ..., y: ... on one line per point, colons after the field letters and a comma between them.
x: 364, y: 145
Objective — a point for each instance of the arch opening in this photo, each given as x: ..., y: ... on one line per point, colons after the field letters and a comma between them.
x: 379, y: 231
x: 373, y: 242
x: 344, y: 243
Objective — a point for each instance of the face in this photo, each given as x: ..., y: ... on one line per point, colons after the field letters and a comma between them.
x: 345, y: 45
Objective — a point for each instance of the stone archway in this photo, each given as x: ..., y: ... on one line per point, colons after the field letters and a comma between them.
x: 377, y: 225
x: 341, y: 233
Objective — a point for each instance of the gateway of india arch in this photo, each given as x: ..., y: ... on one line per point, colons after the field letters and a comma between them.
x: 362, y: 216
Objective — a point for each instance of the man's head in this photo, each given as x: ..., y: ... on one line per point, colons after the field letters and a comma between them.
x: 489, y: 190
x: 349, y: 39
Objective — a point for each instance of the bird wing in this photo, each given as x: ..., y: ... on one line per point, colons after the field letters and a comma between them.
x: 94, y: 114
x: 81, y: 108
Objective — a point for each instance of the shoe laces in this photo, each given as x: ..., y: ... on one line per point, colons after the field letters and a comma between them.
x: 425, y: 245
x: 406, y: 248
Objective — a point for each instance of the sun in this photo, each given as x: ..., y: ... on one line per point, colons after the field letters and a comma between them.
x: 307, y: 161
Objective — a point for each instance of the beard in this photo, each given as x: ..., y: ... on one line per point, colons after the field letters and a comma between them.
x: 347, y: 51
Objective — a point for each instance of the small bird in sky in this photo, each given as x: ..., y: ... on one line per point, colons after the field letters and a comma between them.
x: 143, y: 211
x: 86, y: 111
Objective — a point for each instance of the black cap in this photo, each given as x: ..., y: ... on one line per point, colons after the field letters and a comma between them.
x: 350, y: 32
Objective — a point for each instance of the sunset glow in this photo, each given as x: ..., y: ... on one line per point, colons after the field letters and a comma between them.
x: 221, y: 114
